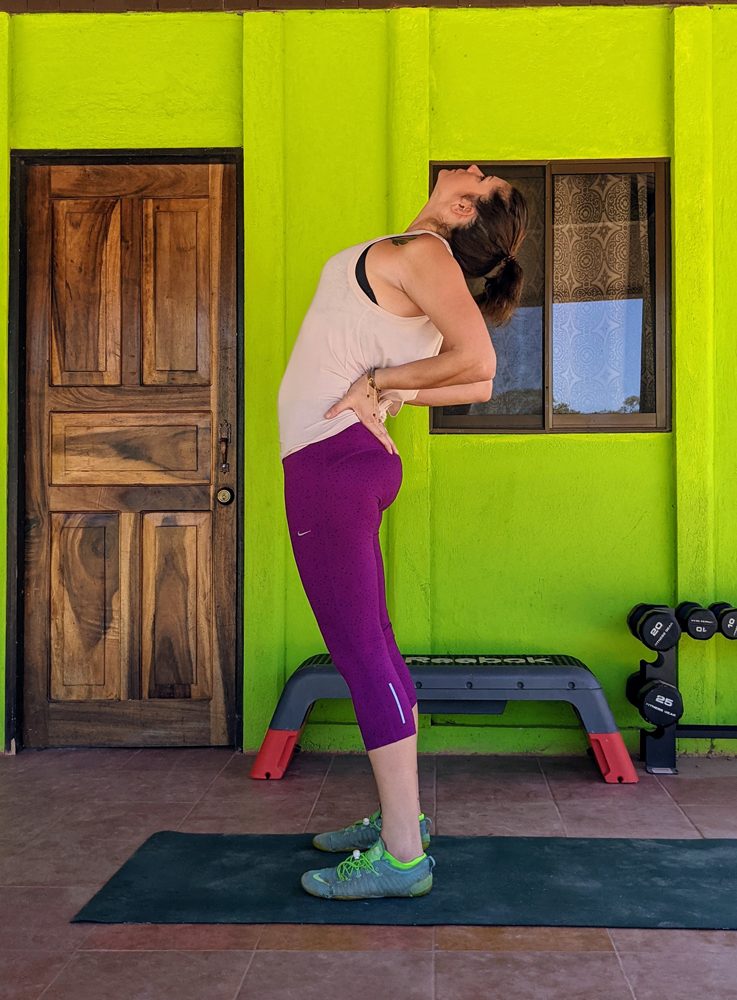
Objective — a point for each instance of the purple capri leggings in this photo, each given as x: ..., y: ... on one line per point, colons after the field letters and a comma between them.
x: 335, y: 491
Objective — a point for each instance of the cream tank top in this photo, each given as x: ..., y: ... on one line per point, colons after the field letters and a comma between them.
x: 343, y: 334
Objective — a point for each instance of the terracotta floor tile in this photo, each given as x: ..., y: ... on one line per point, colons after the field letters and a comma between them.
x: 493, y: 788
x: 120, y: 786
x: 287, y: 813
x: 573, y: 787
x: 529, y: 976
x: 606, y: 819
x: 231, y: 789
x: 171, y: 937
x: 698, y: 766
x: 271, y: 823
x: 62, y: 858
x: 24, y: 974
x: 713, y: 821
x: 151, y: 975
x: 353, y: 764
x: 625, y: 818
x: 704, y: 792
x: 500, y: 819
x: 127, y: 786
x: 22, y: 821
x: 656, y: 941
x: 231, y: 780
x: 209, y: 759
x: 104, y: 820
x: 486, y: 764
x: 38, y: 918
x: 117, y: 820
x: 686, y: 973
x: 338, y: 975
x: 557, y: 939
x: 344, y: 937
x: 69, y: 760
x: 567, y: 763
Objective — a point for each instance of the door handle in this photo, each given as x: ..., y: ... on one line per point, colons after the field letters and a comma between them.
x: 224, y: 442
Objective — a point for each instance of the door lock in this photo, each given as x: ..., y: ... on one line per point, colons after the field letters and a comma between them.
x: 225, y: 495
x: 224, y: 441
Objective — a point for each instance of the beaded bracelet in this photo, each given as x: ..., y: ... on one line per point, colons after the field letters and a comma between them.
x: 372, y: 383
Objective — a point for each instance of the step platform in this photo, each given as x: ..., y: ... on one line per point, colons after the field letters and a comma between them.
x: 459, y: 684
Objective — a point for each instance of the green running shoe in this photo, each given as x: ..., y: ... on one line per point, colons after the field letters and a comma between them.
x: 363, y: 834
x: 372, y: 874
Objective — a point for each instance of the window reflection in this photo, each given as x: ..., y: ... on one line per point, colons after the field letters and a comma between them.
x: 519, y: 365
x: 603, y: 293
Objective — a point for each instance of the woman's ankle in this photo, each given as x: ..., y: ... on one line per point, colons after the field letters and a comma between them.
x: 406, y: 846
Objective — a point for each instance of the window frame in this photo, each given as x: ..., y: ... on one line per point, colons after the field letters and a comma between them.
x: 561, y: 423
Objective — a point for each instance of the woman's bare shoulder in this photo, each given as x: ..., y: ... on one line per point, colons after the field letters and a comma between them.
x: 415, y: 251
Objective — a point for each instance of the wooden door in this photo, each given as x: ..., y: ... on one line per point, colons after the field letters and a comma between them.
x: 130, y: 456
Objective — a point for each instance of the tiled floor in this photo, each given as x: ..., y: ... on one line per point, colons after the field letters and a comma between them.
x: 69, y: 818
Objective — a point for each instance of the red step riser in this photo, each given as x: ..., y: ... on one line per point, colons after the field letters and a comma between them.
x: 275, y: 754
x: 613, y: 758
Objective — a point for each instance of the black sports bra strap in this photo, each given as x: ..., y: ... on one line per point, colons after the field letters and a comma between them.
x: 361, y: 275
x: 361, y: 263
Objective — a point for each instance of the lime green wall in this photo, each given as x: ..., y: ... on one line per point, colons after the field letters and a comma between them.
x: 4, y: 235
x: 503, y: 542
x: 721, y: 256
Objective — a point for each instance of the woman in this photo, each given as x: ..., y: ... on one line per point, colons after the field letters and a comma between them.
x: 392, y: 321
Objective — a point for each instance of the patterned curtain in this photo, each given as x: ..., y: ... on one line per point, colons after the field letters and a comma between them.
x: 603, y: 247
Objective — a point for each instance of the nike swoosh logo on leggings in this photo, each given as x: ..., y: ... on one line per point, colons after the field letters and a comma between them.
x: 300, y: 533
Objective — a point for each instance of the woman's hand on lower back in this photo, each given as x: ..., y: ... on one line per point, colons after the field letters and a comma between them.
x: 367, y: 409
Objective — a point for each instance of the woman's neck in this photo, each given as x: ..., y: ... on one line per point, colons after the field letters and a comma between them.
x: 429, y: 222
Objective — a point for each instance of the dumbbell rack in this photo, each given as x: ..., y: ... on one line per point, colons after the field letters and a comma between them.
x: 658, y: 746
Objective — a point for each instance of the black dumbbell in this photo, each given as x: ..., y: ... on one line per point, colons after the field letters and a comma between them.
x: 658, y: 702
x: 696, y: 621
x: 726, y: 617
x: 655, y: 625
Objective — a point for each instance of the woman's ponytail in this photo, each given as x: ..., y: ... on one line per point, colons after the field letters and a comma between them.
x: 501, y: 292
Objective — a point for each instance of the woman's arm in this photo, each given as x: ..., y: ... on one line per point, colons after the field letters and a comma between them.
x: 447, y: 395
x: 433, y: 279
x: 451, y: 395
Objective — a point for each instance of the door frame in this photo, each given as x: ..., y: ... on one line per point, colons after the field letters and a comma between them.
x: 20, y: 160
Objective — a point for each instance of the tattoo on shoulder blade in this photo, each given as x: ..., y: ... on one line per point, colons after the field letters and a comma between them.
x: 399, y: 240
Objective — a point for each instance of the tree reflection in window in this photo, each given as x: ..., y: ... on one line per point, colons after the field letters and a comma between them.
x: 603, y: 293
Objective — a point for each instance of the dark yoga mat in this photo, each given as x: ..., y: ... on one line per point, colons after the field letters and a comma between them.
x: 214, y: 878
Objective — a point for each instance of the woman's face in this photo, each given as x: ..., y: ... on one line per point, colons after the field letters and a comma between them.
x: 468, y: 184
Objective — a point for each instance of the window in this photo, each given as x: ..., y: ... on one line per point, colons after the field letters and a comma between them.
x: 589, y: 346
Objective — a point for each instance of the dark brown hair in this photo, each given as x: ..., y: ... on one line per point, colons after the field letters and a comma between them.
x: 490, y: 244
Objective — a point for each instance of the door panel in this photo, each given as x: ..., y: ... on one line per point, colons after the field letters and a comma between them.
x: 85, y: 263
x: 176, y: 280
x: 177, y: 605
x: 130, y: 448
x: 85, y: 606
x: 130, y: 431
